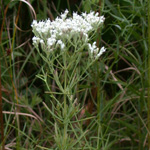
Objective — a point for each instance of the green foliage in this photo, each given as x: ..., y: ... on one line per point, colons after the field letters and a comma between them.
x: 111, y: 111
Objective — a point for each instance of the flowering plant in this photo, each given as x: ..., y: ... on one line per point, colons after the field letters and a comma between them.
x: 63, y: 45
x: 63, y: 31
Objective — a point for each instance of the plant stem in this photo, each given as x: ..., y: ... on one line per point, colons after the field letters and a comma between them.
x: 1, y: 113
x: 65, y: 82
x: 58, y: 5
x: 13, y: 82
x: 148, y: 99
x: 98, y: 72
x: 65, y: 99
x: 68, y: 4
x: 98, y: 95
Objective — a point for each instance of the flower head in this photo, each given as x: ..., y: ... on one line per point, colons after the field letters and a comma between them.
x: 75, y: 29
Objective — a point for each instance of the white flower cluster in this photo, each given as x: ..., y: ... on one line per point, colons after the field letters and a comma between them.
x: 94, y: 51
x: 75, y: 30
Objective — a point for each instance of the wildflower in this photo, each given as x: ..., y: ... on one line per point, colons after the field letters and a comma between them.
x: 75, y: 30
x: 36, y: 40
x: 61, y: 44
x: 102, y: 50
x: 51, y: 41
x: 63, y: 16
x: 94, y: 51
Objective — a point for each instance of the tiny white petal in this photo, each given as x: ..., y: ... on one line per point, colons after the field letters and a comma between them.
x: 102, y: 50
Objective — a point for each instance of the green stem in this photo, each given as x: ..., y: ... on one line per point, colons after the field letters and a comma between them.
x: 58, y: 5
x: 68, y: 4
x: 65, y: 98
x: 99, y: 102
x: 148, y: 99
x: 98, y: 72
x: 65, y: 82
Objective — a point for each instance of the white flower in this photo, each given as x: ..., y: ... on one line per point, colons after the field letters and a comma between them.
x: 61, y: 44
x: 36, y: 40
x: 93, y: 48
x: 41, y: 41
x: 74, y: 30
x: 94, y: 51
x: 102, y: 19
x: 63, y: 16
x: 34, y: 24
x: 102, y: 50
x: 93, y: 19
x: 51, y: 41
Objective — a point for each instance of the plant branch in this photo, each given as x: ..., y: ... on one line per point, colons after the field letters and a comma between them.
x: 1, y: 114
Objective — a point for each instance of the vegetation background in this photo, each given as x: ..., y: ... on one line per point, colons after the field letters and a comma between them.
x: 115, y: 96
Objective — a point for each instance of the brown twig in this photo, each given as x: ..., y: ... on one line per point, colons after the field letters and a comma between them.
x: 1, y: 113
